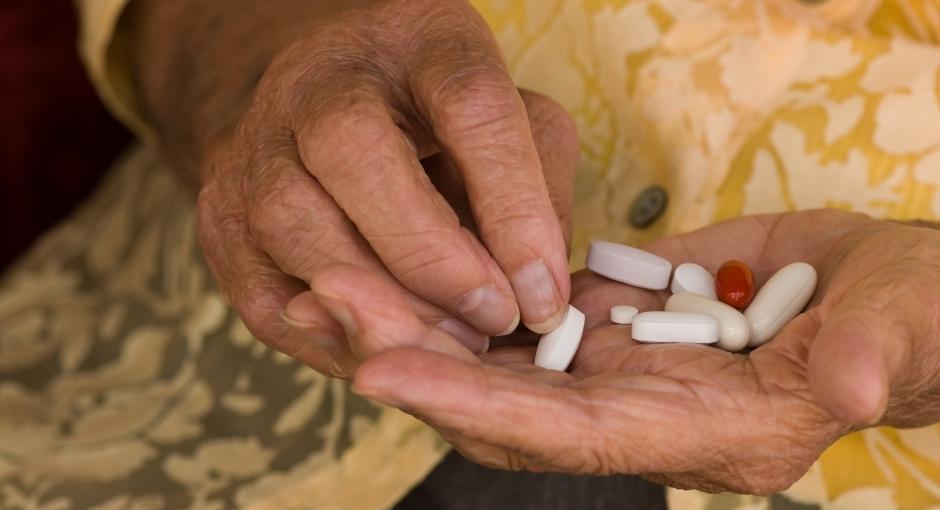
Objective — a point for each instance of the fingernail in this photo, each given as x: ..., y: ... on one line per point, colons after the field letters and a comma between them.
x: 476, y: 342
x: 303, y: 310
x: 341, y: 312
x: 315, y: 332
x: 489, y: 311
x: 539, y: 299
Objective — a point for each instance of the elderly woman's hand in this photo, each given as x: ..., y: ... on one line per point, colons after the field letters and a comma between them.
x: 392, y: 138
x: 865, y: 352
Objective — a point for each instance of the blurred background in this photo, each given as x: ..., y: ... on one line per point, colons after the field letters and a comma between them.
x: 56, y: 138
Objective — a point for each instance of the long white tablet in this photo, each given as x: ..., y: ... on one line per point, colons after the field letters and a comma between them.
x: 675, y: 327
x: 781, y: 299
x: 629, y: 265
x: 734, y: 329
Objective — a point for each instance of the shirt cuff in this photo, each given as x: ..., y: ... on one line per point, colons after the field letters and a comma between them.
x: 104, y: 50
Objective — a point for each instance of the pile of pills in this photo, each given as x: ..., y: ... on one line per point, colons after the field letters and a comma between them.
x: 725, y: 309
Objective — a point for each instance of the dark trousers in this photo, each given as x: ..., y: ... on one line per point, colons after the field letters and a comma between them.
x: 458, y: 484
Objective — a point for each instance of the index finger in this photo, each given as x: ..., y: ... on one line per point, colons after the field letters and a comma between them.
x: 479, y: 118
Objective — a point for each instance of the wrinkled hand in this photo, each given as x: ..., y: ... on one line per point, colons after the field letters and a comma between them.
x: 865, y: 352
x: 392, y: 138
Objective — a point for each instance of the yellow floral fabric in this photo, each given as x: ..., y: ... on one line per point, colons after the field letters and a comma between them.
x: 734, y: 106
x: 743, y: 107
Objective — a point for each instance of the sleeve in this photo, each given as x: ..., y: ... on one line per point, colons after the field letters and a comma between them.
x: 106, y: 55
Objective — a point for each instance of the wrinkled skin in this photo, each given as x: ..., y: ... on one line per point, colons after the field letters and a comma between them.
x: 406, y: 150
x: 865, y: 352
x: 391, y: 139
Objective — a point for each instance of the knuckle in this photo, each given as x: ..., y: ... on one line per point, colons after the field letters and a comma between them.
x: 543, y: 110
x: 280, y: 208
x: 553, y: 128
x: 259, y: 304
x: 512, y: 216
x: 219, y: 222
x: 473, y: 98
x: 348, y: 123
x: 428, y: 252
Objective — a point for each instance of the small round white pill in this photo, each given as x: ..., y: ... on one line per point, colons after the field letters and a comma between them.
x: 675, y: 327
x: 623, y: 314
x: 629, y: 265
x: 780, y: 300
x: 735, y: 330
x: 694, y: 279
x: 557, y: 349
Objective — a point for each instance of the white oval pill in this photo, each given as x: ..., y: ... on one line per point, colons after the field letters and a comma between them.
x: 556, y: 349
x: 688, y: 328
x: 694, y: 279
x: 780, y: 300
x: 629, y: 265
x: 623, y: 314
x: 734, y: 329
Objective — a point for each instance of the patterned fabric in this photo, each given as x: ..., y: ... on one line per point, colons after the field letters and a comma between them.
x: 128, y: 382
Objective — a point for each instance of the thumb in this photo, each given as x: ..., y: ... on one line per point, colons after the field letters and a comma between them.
x: 376, y: 316
x: 852, y: 362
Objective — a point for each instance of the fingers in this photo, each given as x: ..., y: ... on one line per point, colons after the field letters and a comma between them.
x: 302, y: 228
x: 376, y: 317
x: 363, y: 160
x: 309, y: 318
x: 260, y: 291
x: 479, y: 118
x: 556, y: 140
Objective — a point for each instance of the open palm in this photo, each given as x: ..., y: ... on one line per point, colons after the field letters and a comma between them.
x: 687, y: 415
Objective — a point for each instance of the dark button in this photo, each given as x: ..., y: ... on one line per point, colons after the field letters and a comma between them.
x: 648, y: 207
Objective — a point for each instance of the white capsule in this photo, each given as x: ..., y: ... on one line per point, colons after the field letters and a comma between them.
x: 629, y: 265
x: 734, y: 329
x: 675, y: 327
x: 623, y: 314
x: 556, y: 349
x: 780, y: 300
x: 694, y: 279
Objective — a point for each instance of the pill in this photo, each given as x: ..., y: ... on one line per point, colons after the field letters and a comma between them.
x: 695, y: 279
x: 556, y: 349
x: 780, y: 300
x: 734, y: 330
x: 691, y: 328
x: 629, y: 265
x: 623, y: 314
x: 734, y: 284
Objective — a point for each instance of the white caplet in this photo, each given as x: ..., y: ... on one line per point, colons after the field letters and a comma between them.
x: 629, y: 265
x: 675, y: 327
x: 557, y: 349
x: 623, y: 314
x: 694, y: 279
x: 780, y: 300
x: 734, y: 329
